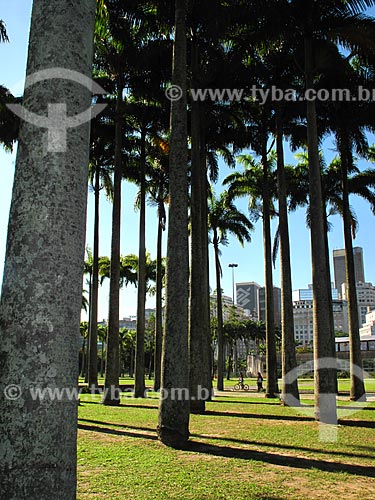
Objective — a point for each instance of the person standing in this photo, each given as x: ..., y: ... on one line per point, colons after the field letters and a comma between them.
x: 260, y: 382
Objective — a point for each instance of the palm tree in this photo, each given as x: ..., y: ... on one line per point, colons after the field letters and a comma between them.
x: 99, y: 178
x: 289, y: 361
x: 343, y: 179
x: 9, y: 122
x: 111, y: 61
x: 158, y: 192
x: 102, y: 336
x: 318, y: 25
x: 145, y: 117
x: 256, y: 183
x: 324, y: 22
x: 173, y: 424
x: 84, y: 331
x: 3, y: 32
x: 224, y: 219
x: 42, y: 284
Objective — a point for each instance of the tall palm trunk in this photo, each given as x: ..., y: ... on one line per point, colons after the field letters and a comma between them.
x: 220, y: 333
x: 111, y: 383
x: 329, y: 285
x: 42, y: 285
x: 271, y: 361
x: 85, y: 359
x: 173, y: 425
x: 93, y: 324
x: 102, y: 360
x: 357, y: 388
x: 289, y: 362
x: 325, y: 376
x: 83, y: 365
x: 196, y: 332
x: 205, y: 291
x: 139, y: 382
x: 159, y: 305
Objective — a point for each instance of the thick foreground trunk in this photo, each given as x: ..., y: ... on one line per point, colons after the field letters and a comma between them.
x: 174, y: 409
x: 199, y: 362
x: 42, y: 285
x: 324, y: 356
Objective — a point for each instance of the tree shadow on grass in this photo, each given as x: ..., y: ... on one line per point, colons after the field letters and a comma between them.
x: 244, y: 454
x: 284, y: 446
x: 280, y: 460
x: 121, y: 405
x: 145, y: 407
x: 276, y: 403
x: 367, y: 424
x: 125, y: 426
x: 115, y: 432
x: 291, y: 418
x: 264, y: 400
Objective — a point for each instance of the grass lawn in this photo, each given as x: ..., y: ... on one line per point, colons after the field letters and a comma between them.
x: 304, y: 384
x: 243, y: 448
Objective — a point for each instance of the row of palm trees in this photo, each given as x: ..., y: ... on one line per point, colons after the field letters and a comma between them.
x: 246, y: 53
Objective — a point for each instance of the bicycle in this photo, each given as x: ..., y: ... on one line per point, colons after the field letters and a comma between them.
x: 241, y: 386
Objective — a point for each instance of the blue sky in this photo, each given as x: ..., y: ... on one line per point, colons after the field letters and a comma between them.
x: 16, y: 15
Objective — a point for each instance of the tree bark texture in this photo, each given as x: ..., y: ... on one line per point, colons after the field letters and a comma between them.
x: 112, y: 366
x: 271, y: 360
x: 289, y: 361
x: 93, y: 326
x: 42, y: 285
x: 325, y: 376
x: 139, y: 382
x: 357, y: 388
x: 174, y: 410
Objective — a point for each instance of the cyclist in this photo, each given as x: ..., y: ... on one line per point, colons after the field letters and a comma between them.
x: 240, y: 381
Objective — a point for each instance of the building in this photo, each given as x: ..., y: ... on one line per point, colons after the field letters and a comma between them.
x: 276, y: 304
x: 365, y: 299
x: 128, y: 323
x: 368, y: 329
x: 303, y: 315
x: 339, y: 269
x: 247, y: 297
x: 229, y: 311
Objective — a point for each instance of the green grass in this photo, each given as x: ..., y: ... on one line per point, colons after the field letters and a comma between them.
x: 305, y: 384
x: 244, y: 447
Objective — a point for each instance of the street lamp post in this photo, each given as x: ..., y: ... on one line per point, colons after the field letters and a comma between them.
x: 233, y: 266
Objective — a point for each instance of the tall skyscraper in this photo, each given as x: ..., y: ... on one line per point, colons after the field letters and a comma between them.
x: 339, y: 266
x: 247, y: 296
x: 276, y: 304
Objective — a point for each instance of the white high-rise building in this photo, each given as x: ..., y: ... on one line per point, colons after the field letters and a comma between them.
x: 303, y: 315
x: 365, y: 299
x: 368, y: 329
